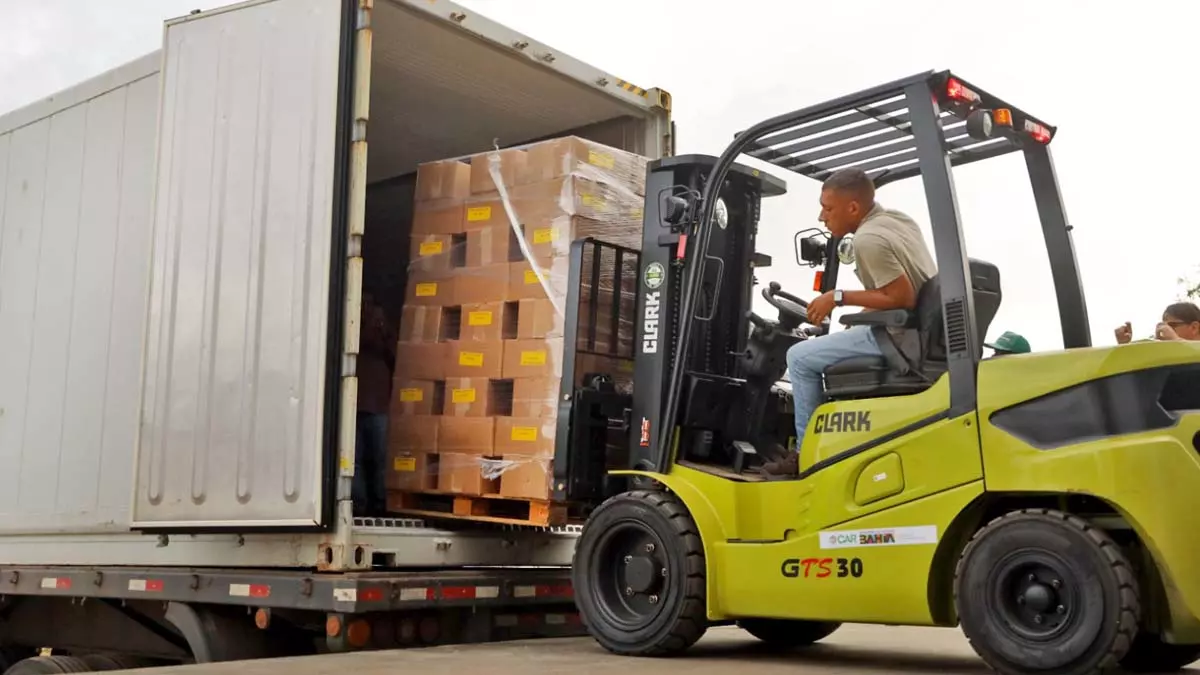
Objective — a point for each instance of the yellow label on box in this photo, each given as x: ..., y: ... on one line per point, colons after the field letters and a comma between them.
x: 480, y: 318
x: 477, y: 213
x: 404, y: 464
x: 625, y: 366
x: 527, y: 434
x: 591, y: 199
x: 427, y: 289
x: 537, y: 358
x: 531, y: 278
x: 463, y: 396
x: 412, y: 395
x: 601, y: 159
x: 431, y: 248
x: 470, y: 359
x: 545, y: 235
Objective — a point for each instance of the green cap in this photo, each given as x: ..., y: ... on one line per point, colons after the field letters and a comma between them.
x: 1010, y: 343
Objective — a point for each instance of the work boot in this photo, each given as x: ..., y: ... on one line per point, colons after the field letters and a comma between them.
x: 785, y: 467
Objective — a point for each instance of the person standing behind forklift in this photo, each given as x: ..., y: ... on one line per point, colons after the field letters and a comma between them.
x: 892, y: 262
x: 1180, y: 321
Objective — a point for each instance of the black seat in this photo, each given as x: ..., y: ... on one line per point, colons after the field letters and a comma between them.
x: 896, y: 373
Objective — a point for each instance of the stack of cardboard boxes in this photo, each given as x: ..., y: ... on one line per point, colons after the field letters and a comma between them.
x: 479, y: 360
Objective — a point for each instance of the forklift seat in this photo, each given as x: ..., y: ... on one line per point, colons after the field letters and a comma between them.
x: 893, y: 374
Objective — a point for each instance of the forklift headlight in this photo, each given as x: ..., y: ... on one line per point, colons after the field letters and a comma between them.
x: 721, y: 214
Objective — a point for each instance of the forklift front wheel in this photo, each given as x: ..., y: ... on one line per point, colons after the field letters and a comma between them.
x: 639, y: 577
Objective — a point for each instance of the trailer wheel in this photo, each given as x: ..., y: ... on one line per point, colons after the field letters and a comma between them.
x: 639, y: 577
x: 1149, y: 654
x: 48, y: 665
x: 1039, y: 590
x: 787, y: 633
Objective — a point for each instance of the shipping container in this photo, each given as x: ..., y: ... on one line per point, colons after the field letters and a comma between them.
x: 183, y: 246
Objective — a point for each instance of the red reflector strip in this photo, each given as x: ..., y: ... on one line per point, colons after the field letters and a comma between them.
x: 249, y: 590
x: 146, y: 585
x: 458, y: 592
x: 56, y: 583
x: 682, y: 248
x: 372, y: 594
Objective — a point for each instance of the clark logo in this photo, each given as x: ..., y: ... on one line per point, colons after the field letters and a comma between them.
x: 846, y: 420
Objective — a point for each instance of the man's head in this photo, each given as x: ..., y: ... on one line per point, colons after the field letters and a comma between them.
x: 1009, y: 343
x: 846, y: 198
x: 1184, y: 318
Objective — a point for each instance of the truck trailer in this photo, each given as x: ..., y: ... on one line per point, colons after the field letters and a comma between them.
x: 183, y: 246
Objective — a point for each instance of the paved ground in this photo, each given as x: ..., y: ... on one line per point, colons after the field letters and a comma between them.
x: 853, y: 650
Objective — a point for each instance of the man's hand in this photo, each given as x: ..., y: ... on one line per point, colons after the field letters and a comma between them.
x: 819, y: 309
x: 1124, y: 333
x: 1164, y: 332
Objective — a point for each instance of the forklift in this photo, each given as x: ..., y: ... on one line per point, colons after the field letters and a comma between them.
x: 1042, y: 502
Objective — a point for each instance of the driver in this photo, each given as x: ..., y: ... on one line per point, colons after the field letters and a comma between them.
x: 892, y: 262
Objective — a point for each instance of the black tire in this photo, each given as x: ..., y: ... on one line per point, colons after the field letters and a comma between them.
x: 48, y: 665
x: 638, y: 575
x: 1149, y: 654
x: 788, y: 633
x: 1041, y: 591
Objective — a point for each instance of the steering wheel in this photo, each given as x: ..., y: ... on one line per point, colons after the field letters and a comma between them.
x: 792, y: 310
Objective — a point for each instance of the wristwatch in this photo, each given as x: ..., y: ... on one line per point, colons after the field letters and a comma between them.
x: 837, y: 297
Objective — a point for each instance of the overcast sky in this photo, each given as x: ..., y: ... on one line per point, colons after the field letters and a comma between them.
x: 1114, y: 77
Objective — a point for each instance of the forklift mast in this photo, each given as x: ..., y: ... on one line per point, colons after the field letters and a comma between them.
x: 717, y: 345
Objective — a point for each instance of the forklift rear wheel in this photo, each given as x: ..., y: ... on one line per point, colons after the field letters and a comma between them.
x: 1149, y: 654
x: 638, y: 575
x: 48, y: 665
x: 1040, y: 590
x: 788, y: 633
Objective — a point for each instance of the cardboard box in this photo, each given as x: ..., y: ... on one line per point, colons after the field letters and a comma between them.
x: 525, y: 436
x: 512, y: 163
x: 523, y: 282
x: 573, y: 155
x: 420, y: 323
x: 491, y: 245
x: 414, y: 434
x: 483, y: 322
x: 463, y: 473
x: 532, y: 358
x: 417, y: 397
x: 430, y: 288
x: 536, y: 397
x: 474, y: 359
x: 421, y: 360
x: 435, y: 252
x: 477, y: 397
x: 438, y: 217
x: 473, y: 285
x: 446, y: 179
x: 412, y: 471
x: 526, y: 477
x: 466, y: 434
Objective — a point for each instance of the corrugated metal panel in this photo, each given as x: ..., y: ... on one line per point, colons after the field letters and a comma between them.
x: 75, y: 191
x: 232, y: 404
x: 444, y: 88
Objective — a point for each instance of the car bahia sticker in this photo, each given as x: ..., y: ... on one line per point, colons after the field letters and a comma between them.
x: 883, y: 536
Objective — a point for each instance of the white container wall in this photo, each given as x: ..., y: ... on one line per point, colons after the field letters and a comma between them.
x: 76, y: 173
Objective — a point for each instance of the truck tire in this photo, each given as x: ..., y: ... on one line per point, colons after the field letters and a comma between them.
x: 48, y: 665
x: 639, y: 575
x: 1039, y: 591
x: 787, y: 633
x: 1149, y: 654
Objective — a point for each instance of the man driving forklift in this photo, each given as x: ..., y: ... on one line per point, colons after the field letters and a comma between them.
x: 891, y: 260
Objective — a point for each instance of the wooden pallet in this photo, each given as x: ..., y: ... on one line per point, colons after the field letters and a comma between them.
x: 486, y: 508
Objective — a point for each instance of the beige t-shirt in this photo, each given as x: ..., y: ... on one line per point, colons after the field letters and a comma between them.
x: 887, y: 244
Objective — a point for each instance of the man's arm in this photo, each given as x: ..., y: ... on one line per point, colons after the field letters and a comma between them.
x: 875, y: 255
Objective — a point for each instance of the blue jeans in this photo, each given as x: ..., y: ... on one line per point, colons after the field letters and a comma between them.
x: 807, y: 360
x: 369, y: 489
